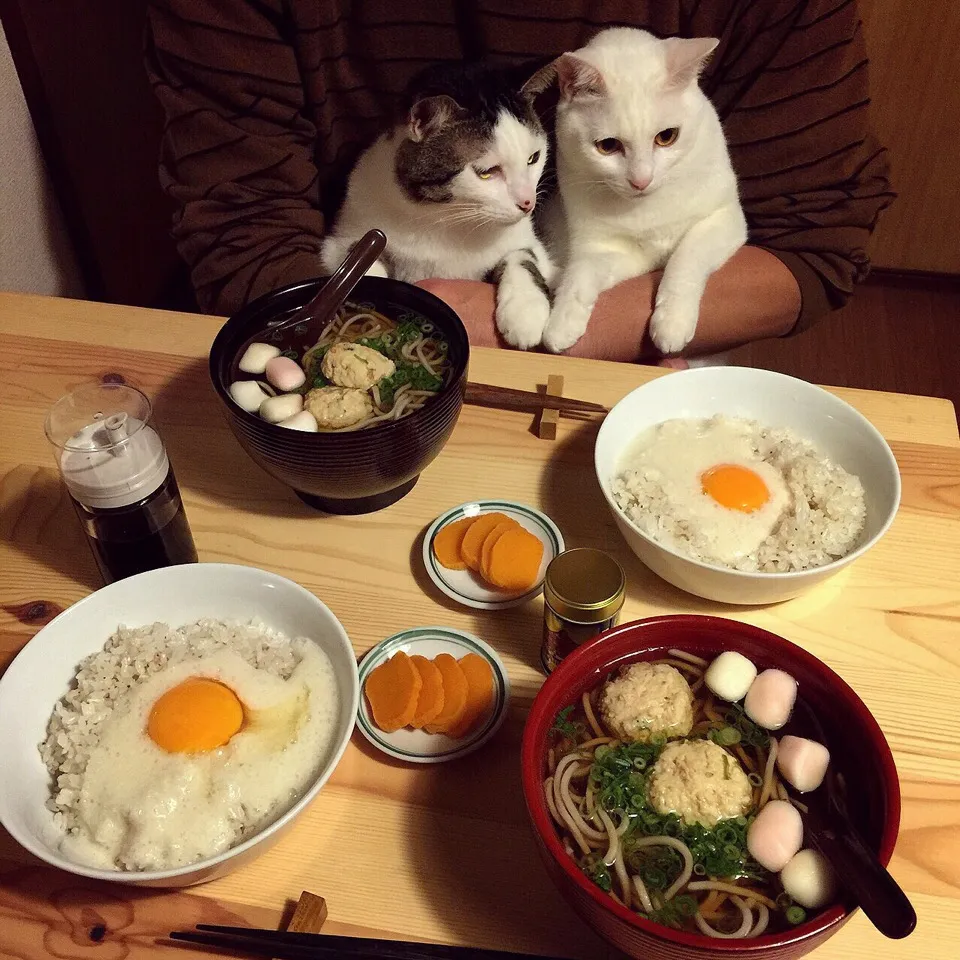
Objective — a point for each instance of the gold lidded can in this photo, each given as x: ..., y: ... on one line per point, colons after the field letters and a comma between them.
x: 583, y: 593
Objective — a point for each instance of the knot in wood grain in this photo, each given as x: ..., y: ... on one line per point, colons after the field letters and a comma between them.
x: 113, y: 378
x: 34, y: 612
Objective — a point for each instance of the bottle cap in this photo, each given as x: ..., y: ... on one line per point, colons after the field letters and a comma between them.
x: 584, y: 585
x: 108, y: 454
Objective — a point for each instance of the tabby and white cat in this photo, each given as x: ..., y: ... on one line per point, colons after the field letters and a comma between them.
x: 453, y: 187
x: 645, y: 181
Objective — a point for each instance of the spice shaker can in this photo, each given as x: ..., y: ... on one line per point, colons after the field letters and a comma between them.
x: 583, y: 593
x: 118, y: 475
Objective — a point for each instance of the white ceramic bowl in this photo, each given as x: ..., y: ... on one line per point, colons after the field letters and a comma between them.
x: 43, y: 670
x: 833, y: 426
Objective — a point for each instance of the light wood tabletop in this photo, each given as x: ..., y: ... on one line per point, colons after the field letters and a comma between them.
x: 445, y: 852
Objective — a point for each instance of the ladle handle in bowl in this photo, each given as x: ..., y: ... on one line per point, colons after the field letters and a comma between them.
x: 879, y: 895
x: 323, y: 307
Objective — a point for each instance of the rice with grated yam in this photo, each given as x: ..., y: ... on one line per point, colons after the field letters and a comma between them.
x: 129, y: 657
x: 823, y: 521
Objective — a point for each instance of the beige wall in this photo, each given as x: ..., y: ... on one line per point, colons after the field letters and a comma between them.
x: 35, y: 254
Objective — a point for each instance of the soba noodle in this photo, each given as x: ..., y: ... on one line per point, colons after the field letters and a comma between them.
x: 411, y: 342
x: 685, y: 876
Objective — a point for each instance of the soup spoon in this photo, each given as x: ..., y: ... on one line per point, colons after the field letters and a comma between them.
x: 831, y: 829
x: 308, y: 323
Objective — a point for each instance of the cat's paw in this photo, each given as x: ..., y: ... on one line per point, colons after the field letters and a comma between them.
x: 522, y: 311
x: 565, y: 328
x: 673, y: 324
x: 377, y: 269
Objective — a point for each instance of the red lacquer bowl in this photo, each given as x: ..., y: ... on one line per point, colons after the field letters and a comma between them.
x: 855, y: 740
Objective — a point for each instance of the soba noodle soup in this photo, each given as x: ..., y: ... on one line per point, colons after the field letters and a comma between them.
x: 366, y: 369
x: 610, y: 793
x: 415, y: 349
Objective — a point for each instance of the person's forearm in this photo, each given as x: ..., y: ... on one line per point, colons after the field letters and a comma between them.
x: 752, y: 296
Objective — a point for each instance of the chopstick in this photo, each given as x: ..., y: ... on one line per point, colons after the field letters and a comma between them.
x: 509, y: 398
x: 285, y: 945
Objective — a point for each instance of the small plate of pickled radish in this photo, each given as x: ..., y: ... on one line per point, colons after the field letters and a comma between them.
x: 491, y: 554
x: 431, y: 694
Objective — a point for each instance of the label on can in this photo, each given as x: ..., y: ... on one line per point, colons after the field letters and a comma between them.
x: 562, y: 637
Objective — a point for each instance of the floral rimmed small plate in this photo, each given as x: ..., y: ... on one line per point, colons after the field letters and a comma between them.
x: 467, y: 587
x: 418, y: 746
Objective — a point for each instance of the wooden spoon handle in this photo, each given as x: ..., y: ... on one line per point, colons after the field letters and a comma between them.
x: 361, y: 257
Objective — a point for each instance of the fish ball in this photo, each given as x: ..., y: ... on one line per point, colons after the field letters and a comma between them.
x: 247, y: 394
x: 255, y: 357
x: 275, y: 409
x: 802, y: 763
x: 776, y: 835
x: 730, y: 676
x: 809, y: 879
x: 304, y: 421
x: 285, y: 374
x: 770, y: 699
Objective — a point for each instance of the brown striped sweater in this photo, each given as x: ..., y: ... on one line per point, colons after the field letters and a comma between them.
x: 269, y: 102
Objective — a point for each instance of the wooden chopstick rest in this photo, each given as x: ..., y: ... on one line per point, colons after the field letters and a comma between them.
x: 310, y: 914
x: 550, y: 417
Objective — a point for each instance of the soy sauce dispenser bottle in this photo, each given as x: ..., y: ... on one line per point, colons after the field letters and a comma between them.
x: 116, y: 470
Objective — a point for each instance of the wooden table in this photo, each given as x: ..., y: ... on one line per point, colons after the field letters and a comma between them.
x: 445, y: 852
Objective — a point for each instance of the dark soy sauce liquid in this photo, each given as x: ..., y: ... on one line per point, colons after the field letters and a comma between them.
x: 141, y: 536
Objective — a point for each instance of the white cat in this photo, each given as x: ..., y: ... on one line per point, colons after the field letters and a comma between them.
x: 645, y: 181
x: 453, y: 188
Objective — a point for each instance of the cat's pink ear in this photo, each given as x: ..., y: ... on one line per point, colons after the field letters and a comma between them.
x: 428, y: 115
x: 686, y: 58
x: 577, y: 78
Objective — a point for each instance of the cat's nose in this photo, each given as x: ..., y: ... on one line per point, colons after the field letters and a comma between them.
x: 525, y: 205
x: 641, y: 183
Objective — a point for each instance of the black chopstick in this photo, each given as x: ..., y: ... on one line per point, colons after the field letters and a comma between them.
x: 286, y: 945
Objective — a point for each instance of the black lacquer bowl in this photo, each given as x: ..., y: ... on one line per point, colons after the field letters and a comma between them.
x: 355, y: 471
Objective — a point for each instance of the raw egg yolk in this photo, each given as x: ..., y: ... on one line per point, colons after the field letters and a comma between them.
x: 735, y: 487
x: 195, y: 716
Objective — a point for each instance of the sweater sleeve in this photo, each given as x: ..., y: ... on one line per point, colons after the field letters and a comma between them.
x: 237, y: 156
x: 813, y: 181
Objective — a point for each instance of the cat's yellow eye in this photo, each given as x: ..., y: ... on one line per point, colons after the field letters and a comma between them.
x: 533, y: 158
x: 608, y: 145
x: 668, y: 137
x: 487, y: 174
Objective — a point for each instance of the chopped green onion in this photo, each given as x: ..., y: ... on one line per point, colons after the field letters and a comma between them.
x: 727, y: 736
x: 686, y: 905
x: 726, y: 834
x: 655, y: 878
x: 795, y: 915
